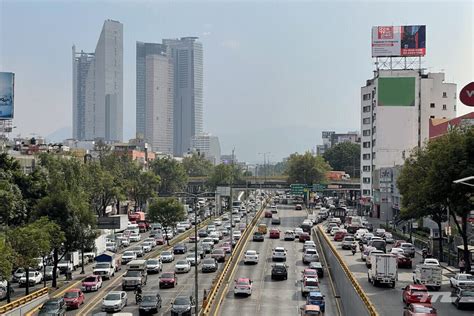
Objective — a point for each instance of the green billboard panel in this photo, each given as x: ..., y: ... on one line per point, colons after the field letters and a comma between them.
x: 398, y: 91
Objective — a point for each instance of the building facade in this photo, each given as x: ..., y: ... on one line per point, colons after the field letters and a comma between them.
x: 439, y: 127
x: 208, y: 146
x: 331, y: 138
x: 98, y: 87
x: 155, y: 96
x: 187, y: 56
x: 396, y: 108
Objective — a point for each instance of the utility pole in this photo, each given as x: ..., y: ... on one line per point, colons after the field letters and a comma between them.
x: 196, y: 289
x: 230, y: 206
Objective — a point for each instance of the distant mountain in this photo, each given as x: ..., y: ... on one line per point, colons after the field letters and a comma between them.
x: 59, y: 135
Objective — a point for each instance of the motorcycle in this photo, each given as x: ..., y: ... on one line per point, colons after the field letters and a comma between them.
x: 138, y: 298
x: 354, y: 249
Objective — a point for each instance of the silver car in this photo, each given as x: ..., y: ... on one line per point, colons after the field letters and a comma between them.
x: 114, y: 301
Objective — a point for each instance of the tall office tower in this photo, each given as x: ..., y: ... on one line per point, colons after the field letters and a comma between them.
x: 155, y: 95
x: 98, y: 87
x: 208, y: 146
x: 187, y: 56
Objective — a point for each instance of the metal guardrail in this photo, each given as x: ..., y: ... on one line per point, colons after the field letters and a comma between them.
x: 208, y: 304
x: 23, y: 300
x: 365, y: 299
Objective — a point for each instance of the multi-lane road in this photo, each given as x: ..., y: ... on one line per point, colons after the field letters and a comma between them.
x: 270, y: 297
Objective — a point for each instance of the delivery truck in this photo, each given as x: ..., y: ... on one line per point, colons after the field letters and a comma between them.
x: 383, y: 269
x: 429, y: 275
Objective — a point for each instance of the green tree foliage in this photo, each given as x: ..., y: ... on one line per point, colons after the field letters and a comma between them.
x: 224, y: 174
x: 101, y: 187
x: 12, y: 207
x: 166, y: 211
x: 428, y: 179
x: 6, y: 259
x: 344, y: 157
x: 172, y: 175
x: 144, y: 186
x: 197, y: 166
x: 306, y: 168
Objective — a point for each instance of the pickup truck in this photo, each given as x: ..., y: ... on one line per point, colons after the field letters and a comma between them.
x: 136, y: 275
x: 428, y: 275
x: 105, y: 269
x: 383, y: 269
x: 34, y: 277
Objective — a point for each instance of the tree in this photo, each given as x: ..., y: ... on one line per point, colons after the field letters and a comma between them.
x: 344, y: 157
x: 166, y: 211
x: 197, y: 166
x: 12, y: 208
x: 306, y: 169
x: 101, y: 188
x: 143, y: 187
x: 442, y: 161
x: 6, y: 263
x: 224, y: 174
x: 172, y: 175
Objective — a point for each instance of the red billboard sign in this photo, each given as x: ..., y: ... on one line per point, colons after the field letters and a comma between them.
x: 399, y: 41
x: 467, y: 94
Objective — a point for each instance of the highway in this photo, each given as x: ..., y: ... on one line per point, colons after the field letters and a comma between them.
x: 388, y: 301
x: 271, y: 297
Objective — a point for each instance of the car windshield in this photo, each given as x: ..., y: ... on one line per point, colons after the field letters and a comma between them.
x: 181, y: 262
x: 311, y: 251
x: 128, y: 254
x: 166, y: 253
x: 50, y: 306
x: 208, y: 261
x: 242, y: 282
x: 468, y: 293
x: 90, y: 279
x: 466, y: 277
x: 311, y: 283
x: 112, y: 297
x: 31, y: 274
x: 167, y: 276
x: 149, y: 298
x: 152, y: 261
x: 102, y: 266
x: 279, y: 250
x: 71, y: 294
x: 424, y: 309
x: 133, y: 274
x: 49, y: 268
x: 251, y: 252
x: 218, y: 252
x: 182, y: 301
x: 418, y: 291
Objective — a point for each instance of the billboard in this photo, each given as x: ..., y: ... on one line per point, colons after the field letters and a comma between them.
x: 7, y: 85
x: 396, y: 91
x: 399, y: 41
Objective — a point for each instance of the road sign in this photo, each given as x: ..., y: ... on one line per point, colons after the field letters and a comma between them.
x: 319, y: 187
x: 467, y: 94
x: 297, y: 188
x: 223, y: 191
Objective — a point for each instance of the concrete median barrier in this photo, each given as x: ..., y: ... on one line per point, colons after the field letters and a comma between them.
x: 23, y: 305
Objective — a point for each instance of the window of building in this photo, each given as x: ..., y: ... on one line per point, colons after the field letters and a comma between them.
x: 455, y: 107
x: 366, y: 180
x: 432, y: 105
x: 366, y: 168
x: 366, y: 132
x: 445, y: 95
x: 366, y: 144
x: 366, y: 120
x: 366, y: 192
x: 373, y: 155
x: 373, y: 142
x: 444, y: 107
x: 432, y: 116
x: 366, y: 97
x: 373, y: 130
x: 366, y: 156
x: 366, y: 109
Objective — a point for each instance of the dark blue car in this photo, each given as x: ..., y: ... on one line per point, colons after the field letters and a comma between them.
x: 316, y: 298
x: 180, y: 249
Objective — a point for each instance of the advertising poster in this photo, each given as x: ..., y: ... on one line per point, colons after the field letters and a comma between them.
x: 7, y: 84
x: 399, y: 41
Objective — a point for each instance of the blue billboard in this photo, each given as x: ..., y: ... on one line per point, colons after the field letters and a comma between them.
x: 7, y: 90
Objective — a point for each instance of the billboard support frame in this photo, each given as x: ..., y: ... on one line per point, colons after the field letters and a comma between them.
x: 398, y: 63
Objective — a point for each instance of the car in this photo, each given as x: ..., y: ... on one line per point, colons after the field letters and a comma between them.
x: 367, y: 237
x: 218, y: 254
x: 34, y: 277
x: 404, y: 261
x: 360, y: 233
x: 48, y: 275
x: 111, y: 246
x: 180, y: 249
x: 330, y: 226
x: 202, y: 233
x: 91, y: 283
x: 191, y: 258
x: 316, y: 298
x: 150, y: 303
x: 138, y: 250
x: 258, y: 236
x: 462, y: 297
x: 318, y: 266
x: 268, y: 214
x: 192, y: 239
x: 215, y: 236
x: 308, y: 244
x: 310, y: 310
x: 217, y: 222
x: 262, y: 228
x: 182, y: 266
x: 160, y: 240
x: 370, y: 227
x: 226, y: 246
x: 147, y: 246
x: 298, y: 231
x: 243, y: 286
x: 408, y: 248
x: 276, y: 220
x: 420, y: 309
x: 303, y: 236
x: 279, y: 271
x: 209, y: 247
x: 152, y: 241
x: 309, y: 273
x: 310, y: 255
x: 73, y: 298
x: 279, y: 254
x: 298, y: 207
x: 388, y: 237
x: 379, y: 232
x: 334, y: 230
x: 289, y: 235
x: 462, y: 280
x: 154, y: 265
x: 251, y: 256
x: 397, y: 251
x: 17, y: 275
x: 167, y: 256
x: 340, y: 234
x: 209, y: 265
x: 273, y: 209
x: 365, y: 252
x: 200, y: 251
x: 415, y: 293
x: 168, y: 279
x: 182, y: 305
x: 134, y: 237
x: 53, y: 306
x: 347, y: 242
x: 236, y: 235
x: 371, y: 253
x: 274, y: 233
x: 114, y: 301
x: 128, y: 256
x: 431, y: 262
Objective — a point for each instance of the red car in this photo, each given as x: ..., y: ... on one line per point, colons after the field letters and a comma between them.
x: 268, y: 214
x: 309, y: 273
x: 404, y: 261
x: 420, y: 309
x: 160, y: 240
x: 339, y: 235
x: 274, y: 233
x: 226, y: 247
x: 73, y: 298
x: 91, y: 283
x: 415, y: 293
x: 304, y: 236
x: 143, y: 226
x: 168, y: 279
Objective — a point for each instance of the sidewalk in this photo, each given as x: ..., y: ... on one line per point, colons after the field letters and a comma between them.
x: 377, y: 222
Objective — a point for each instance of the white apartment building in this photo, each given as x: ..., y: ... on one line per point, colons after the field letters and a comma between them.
x: 396, y: 106
x: 208, y: 146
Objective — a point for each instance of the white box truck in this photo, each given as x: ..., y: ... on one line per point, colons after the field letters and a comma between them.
x: 429, y: 275
x: 383, y: 269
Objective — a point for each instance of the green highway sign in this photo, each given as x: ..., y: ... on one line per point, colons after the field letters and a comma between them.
x: 297, y: 188
x: 319, y: 187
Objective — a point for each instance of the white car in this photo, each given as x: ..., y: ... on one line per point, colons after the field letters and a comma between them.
x: 191, y: 260
x: 34, y: 277
x: 243, y: 286
x: 114, y: 301
x: 334, y: 230
x: 182, y: 266
x: 308, y: 244
x: 125, y: 241
x: 279, y: 254
x: 129, y: 256
x: 298, y: 231
x: 208, y: 241
x: 235, y: 219
x: 431, y: 262
x: 388, y: 238
x: 251, y: 256
x: 310, y: 255
x: 147, y: 246
x: 360, y: 233
x: 167, y: 256
x: 154, y: 265
x: 135, y: 237
x: 152, y: 240
x: 461, y: 279
x: 215, y: 236
x: 289, y: 235
x: 397, y: 251
x: 217, y: 222
x: 236, y: 235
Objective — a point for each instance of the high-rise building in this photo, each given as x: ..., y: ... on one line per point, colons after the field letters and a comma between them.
x: 330, y: 139
x: 396, y: 108
x: 98, y: 87
x: 187, y: 56
x: 155, y: 96
x: 208, y: 146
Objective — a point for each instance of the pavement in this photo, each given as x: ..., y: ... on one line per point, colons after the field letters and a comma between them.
x: 270, y: 297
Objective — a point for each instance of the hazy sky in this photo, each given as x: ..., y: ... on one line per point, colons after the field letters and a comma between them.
x: 275, y: 73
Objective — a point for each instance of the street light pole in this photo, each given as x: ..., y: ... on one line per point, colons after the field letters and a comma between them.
x: 196, y: 289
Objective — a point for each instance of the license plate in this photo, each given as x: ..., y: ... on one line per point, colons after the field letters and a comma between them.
x: 88, y: 288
